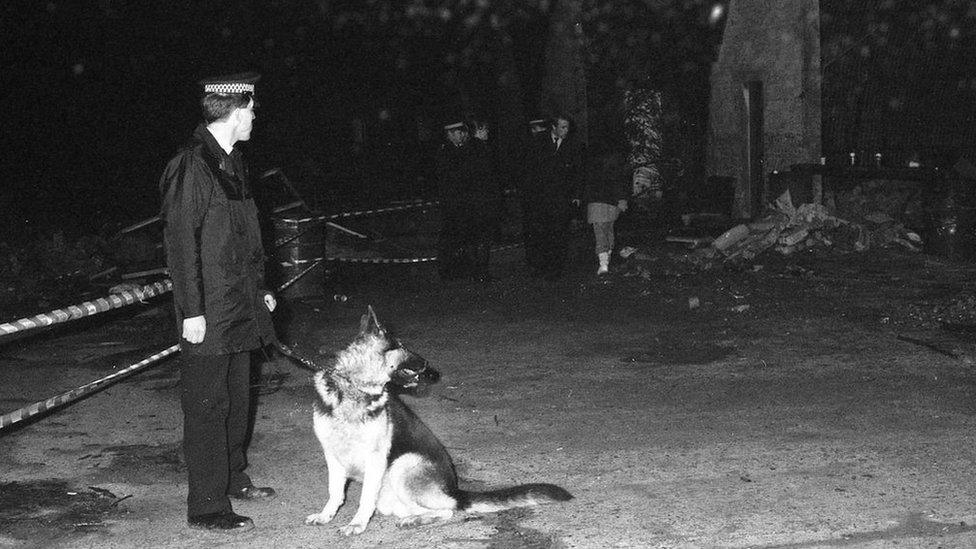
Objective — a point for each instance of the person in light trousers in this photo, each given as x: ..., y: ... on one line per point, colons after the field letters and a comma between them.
x: 607, y: 191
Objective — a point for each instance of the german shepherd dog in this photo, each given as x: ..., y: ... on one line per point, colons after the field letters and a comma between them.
x: 369, y: 434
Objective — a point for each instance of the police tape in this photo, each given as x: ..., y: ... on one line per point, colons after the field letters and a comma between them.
x: 377, y: 260
x: 139, y: 295
x: 372, y: 260
x: 288, y: 238
x: 420, y: 204
x: 304, y: 272
x: 40, y: 407
x: 88, y: 308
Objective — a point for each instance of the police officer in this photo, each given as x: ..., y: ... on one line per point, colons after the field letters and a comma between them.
x: 467, y: 191
x: 216, y: 261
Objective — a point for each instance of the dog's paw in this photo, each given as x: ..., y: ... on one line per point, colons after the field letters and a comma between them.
x: 353, y: 528
x: 318, y: 519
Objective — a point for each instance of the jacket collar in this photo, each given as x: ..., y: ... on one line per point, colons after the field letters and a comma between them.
x: 203, y: 135
x: 226, y: 167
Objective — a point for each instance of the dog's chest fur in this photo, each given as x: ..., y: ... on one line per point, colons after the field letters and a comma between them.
x: 353, y: 426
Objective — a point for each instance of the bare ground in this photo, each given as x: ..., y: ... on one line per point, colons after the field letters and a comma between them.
x: 811, y: 401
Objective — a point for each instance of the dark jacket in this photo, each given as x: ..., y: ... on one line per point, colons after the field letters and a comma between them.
x: 213, y: 247
x: 607, y: 179
x: 552, y: 178
x: 466, y: 181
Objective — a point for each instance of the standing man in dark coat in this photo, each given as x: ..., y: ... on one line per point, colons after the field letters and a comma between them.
x: 551, y: 189
x: 467, y: 191
x: 216, y: 261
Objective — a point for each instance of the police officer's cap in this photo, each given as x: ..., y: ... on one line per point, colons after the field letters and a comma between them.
x: 231, y: 83
x: 452, y: 118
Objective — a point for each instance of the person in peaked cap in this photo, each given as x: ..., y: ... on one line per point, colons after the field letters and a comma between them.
x: 216, y: 261
x: 537, y: 125
x: 466, y: 189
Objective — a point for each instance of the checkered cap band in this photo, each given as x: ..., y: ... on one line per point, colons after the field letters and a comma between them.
x: 234, y: 87
x: 454, y: 126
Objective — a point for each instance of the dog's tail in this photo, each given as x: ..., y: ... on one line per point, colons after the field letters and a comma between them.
x: 516, y: 496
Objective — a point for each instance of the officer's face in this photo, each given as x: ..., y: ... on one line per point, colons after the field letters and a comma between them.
x: 245, y: 119
x: 457, y: 136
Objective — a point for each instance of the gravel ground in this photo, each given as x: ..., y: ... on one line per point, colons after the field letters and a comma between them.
x: 810, y: 401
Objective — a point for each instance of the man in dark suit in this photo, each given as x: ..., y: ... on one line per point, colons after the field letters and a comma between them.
x: 551, y: 189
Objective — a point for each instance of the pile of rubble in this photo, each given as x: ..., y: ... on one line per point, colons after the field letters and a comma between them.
x: 786, y: 229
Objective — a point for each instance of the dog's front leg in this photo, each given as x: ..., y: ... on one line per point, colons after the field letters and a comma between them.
x: 372, y: 482
x: 337, y: 493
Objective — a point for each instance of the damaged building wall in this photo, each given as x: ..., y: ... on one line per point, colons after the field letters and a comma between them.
x: 765, y: 96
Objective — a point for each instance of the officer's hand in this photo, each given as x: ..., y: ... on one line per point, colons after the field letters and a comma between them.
x: 622, y: 205
x: 270, y: 302
x: 481, y: 132
x: 194, y: 328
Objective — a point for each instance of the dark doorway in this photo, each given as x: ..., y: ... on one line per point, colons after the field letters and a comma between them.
x: 753, y: 95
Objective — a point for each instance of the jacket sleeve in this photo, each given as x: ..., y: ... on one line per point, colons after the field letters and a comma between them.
x: 186, y: 185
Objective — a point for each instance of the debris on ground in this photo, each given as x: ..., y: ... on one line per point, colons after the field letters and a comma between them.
x: 787, y: 229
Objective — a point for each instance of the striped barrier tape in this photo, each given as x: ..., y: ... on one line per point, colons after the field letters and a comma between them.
x: 88, y: 308
x: 299, y: 275
x: 340, y: 259
x: 40, y: 407
x: 139, y: 295
x: 286, y: 207
x: 74, y: 394
x: 286, y: 239
x: 374, y: 260
x: 359, y: 213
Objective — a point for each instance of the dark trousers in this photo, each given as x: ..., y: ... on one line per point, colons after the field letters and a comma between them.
x: 546, y: 238
x: 216, y: 410
x: 465, y: 244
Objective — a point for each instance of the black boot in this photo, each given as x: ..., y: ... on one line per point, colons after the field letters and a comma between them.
x: 226, y: 521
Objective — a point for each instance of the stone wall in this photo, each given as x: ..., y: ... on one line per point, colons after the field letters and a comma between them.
x: 776, y: 43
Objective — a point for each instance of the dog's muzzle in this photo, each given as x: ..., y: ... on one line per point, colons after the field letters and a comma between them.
x: 413, y: 372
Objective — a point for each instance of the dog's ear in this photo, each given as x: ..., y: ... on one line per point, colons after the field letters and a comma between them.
x: 369, y: 324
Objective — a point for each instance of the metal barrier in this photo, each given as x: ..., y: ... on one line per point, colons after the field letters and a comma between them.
x: 139, y: 295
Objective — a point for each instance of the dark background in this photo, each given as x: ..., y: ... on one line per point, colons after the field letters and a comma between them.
x: 95, y: 95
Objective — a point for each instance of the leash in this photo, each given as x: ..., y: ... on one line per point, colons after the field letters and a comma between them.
x: 305, y: 362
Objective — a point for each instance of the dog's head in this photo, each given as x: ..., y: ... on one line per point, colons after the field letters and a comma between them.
x: 376, y: 359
